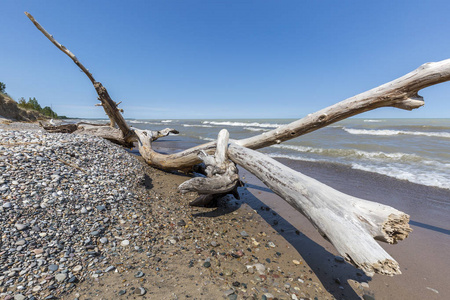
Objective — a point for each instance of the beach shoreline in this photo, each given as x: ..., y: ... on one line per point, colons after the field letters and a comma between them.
x: 421, y: 258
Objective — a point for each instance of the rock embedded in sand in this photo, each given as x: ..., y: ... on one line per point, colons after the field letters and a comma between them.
x: 20, y: 226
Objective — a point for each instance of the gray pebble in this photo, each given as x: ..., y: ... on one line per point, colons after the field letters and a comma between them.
x: 110, y: 268
x: 53, y: 267
x: 140, y: 291
x: 60, y: 277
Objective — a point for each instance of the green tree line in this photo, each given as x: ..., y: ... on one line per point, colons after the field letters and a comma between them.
x: 33, y: 104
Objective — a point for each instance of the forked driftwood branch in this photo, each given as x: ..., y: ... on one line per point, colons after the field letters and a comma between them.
x: 349, y: 223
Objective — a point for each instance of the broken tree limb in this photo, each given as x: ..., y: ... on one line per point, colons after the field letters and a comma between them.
x: 222, y: 174
x: 108, y: 104
x: 349, y: 223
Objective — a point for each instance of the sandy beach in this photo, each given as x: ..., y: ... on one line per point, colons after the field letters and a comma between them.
x: 254, y: 248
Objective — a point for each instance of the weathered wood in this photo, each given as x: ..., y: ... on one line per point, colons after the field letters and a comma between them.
x: 108, y: 104
x: 349, y: 223
x: 222, y: 174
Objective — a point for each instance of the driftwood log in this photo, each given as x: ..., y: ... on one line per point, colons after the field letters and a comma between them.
x: 349, y: 223
x: 222, y: 175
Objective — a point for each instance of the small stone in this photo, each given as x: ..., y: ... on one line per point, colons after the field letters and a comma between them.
x: 296, y: 262
x: 21, y: 242
x: 368, y: 297
x: 53, y: 267
x: 365, y: 285
x: 19, y: 297
x: 73, y: 279
x: 339, y: 259
x: 95, y: 233
x: 36, y: 289
x: 21, y: 227
x: 228, y: 292
x: 77, y: 268
x: 236, y: 283
x: 207, y: 264
x: 140, y: 291
x: 103, y: 240
x: 181, y: 223
x: 122, y: 292
x: 244, y: 233
x: 232, y: 297
x: 7, y: 205
x: 100, y: 207
x: 60, y: 277
x: 83, y: 210
x: 214, y: 244
x: 110, y: 268
x: 139, y: 274
x: 433, y: 290
x: 271, y: 244
x: 125, y: 243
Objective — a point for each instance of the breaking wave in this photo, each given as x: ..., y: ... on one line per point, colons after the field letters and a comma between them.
x: 388, y: 132
x: 242, y: 124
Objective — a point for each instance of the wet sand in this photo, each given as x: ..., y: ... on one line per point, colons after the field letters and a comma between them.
x: 424, y: 256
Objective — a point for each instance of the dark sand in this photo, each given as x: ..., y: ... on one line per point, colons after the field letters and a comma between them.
x: 424, y: 256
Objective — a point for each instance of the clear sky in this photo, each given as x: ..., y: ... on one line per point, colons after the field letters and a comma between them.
x: 221, y: 59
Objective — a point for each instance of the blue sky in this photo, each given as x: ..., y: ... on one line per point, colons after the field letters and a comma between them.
x: 221, y: 59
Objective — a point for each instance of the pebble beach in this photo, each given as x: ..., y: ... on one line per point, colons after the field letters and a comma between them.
x: 82, y: 218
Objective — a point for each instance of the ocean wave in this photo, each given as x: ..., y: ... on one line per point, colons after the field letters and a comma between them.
x: 241, y: 124
x: 411, y: 175
x: 142, y: 122
x: 255, y: 129
x: 353, y: 153
x: 166, y: 121
x: 389, y: 132
x: 206, y: 139
x: 374, y: 121
x: 192, y: 125
x: 293, y: 157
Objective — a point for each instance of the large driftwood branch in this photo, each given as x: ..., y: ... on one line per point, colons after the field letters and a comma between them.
x: 349, y: 223
x: 222, y: 175
x: 107, y: 103
x: 400, y: 93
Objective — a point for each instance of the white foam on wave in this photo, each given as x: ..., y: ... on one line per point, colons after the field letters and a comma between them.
x: 373, y: 121
x: 193, y: 125
x: 255, y: 129
x: 142, y: 122
x: 293, y: 157
x: 352, y: 153
x: 388, y: 132
x: 412, y: 175
x: 206, y: 139
x: 242, y: 124
x: 166, y: 121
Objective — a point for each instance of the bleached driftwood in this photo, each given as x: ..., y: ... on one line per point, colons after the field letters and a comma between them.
x: 349, y: 223
x: 107, y: 103
x: 222, y: 174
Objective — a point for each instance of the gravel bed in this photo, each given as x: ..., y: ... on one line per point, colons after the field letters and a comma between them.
x: 60, y: 194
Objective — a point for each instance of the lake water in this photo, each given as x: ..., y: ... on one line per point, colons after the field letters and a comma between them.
x: 416, y: 150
